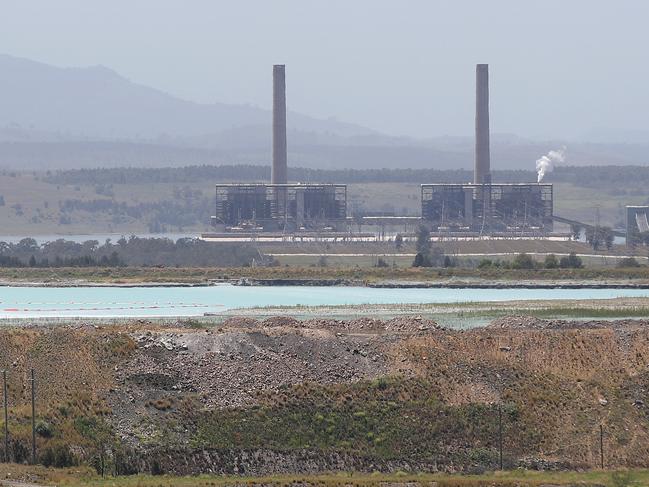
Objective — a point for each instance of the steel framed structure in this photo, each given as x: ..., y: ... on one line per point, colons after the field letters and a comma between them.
x: 272, y: 207
x: 501, y: 207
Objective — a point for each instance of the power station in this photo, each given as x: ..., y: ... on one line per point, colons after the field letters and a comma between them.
x: 475, y: 208
x: 280, y: 206
x: 483, y: 207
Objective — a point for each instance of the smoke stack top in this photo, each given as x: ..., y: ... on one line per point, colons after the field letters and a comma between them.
x: 482, y: 169
x: 279, y: 169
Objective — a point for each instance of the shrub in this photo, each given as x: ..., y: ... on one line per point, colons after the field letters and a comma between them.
x: 628, y: 262
x: 485, y: 264
x: 58, y: 456
x: 156, y: 468
x: 421, y: 260
x: 551, y: 261
x: 572, y: 261
x: 44, y: 429
x: 381, y: 262
x: 523, y: 261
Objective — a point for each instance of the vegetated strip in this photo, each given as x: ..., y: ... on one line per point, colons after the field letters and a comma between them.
x: 82, y: 477
x: 594, y: 176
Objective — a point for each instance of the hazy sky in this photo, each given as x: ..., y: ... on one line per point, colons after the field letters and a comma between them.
x: 558, y: 68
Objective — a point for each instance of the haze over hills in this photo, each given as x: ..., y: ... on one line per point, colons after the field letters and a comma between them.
x: 55, y: 117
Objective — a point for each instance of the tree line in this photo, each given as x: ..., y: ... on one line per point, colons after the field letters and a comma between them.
x: 593, y: 176
x: 134, y: 251
x: 429, y: 256
x: 193, y: 174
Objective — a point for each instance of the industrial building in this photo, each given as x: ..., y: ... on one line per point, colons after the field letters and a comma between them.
x: 484, y: 207
x: 476, y: 208
x: 636, y: 224
x: 504, y: 208
x: 280, y: 206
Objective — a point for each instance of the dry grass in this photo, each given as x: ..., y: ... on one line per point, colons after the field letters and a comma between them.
x: 78, y: 477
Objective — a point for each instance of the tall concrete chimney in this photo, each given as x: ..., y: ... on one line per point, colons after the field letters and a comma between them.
x: 279, y: 169
x: 482, y: 170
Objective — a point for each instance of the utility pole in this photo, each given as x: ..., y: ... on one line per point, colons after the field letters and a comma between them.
x: 6, y: 410
x: 601, y: 446
x: 597, y: 232
x: 500, y: 434
x: 33, y: 419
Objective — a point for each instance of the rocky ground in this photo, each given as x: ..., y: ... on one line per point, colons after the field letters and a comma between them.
x: 256, y: 396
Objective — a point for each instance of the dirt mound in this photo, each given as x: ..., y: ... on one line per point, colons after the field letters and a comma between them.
x: 533, y: 323
x: 412, y: 324
x: 338, y: 381
x: 402, y: 324
x: 281, y: 321
x: 240, y: 322
x: 513, y: 322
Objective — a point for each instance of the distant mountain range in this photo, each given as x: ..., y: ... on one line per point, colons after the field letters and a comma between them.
x: 97, y: 102
x: 53, y: 117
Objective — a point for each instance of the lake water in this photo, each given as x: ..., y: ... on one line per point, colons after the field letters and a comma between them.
x: 114, y: 302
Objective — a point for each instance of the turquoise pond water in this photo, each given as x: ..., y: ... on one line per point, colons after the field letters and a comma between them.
x: 114, y: 302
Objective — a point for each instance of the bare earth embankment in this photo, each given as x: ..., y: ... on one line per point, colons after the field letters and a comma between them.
x: 283, y: 396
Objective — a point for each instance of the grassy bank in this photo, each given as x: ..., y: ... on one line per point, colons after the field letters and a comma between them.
x: 455, y: 315
x: 202, y: 275
x: 83, y: 477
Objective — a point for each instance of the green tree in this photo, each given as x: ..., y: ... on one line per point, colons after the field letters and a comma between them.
x: 598, y: 236
x: 421, y: 260
x: 423, y: 240
x: 523, y: 261
x: 423, y: 257
x: 572, y: 261
x: 551, y: 261
x: 485, y: 264
x: 609, y: 237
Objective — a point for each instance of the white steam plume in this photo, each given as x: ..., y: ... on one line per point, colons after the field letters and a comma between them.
x: 546, y: 163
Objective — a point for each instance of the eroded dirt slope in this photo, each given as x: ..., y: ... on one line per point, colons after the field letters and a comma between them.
x: 367, y: 394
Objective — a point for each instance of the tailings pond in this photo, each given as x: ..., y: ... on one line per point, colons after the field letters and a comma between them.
x: 118, y: 302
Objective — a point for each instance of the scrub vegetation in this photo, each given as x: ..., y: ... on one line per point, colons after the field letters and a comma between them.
x: 138, y: 200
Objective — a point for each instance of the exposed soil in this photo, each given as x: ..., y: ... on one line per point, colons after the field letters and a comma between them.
x: 173, y: 394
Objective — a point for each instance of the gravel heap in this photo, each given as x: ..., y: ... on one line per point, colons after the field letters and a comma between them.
x: 402, y: 324
x: 533, y: 323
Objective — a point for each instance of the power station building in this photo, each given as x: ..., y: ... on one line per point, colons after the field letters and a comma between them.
x: 482, y: 206
x: 637, y: 224
x: 488, y: 208
x: 280, y: 206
